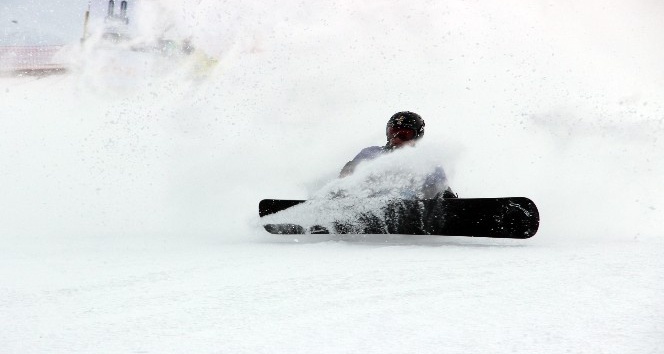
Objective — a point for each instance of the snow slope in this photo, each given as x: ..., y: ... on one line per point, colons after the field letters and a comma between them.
x: 129, y: 187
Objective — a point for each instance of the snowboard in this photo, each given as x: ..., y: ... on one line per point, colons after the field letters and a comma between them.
x: 512, y: 217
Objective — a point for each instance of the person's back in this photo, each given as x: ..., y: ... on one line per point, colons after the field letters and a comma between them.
x: 404, y: 129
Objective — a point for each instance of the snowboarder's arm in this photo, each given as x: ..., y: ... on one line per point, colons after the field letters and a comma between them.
x: 348, y: 169
x: 436, y: 186
x: 366, y: 154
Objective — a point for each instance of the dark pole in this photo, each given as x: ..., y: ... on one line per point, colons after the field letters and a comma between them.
x: 111, y: 5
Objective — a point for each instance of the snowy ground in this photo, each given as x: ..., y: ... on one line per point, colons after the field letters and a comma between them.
x: 129, y: 187
x: 451, y: 296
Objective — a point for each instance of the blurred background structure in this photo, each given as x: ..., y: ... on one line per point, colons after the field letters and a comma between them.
x: 30, y: 47
x: 31, y: 60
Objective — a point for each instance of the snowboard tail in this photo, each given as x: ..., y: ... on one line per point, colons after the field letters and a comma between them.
x: 514, y: 217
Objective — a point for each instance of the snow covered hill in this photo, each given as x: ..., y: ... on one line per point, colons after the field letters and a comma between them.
x: 129, y: 192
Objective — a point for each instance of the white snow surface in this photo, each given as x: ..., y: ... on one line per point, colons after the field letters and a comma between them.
x: 129, y: 188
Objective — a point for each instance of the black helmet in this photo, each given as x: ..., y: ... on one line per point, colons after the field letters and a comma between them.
x: 407, y: 119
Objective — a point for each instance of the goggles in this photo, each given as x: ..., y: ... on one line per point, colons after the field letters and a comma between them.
x: 400, y: 132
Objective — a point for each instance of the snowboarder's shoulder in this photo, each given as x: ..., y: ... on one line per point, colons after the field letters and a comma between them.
x: 370, y: 152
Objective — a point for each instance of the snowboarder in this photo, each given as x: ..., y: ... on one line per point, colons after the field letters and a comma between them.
x: 404, y: 129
